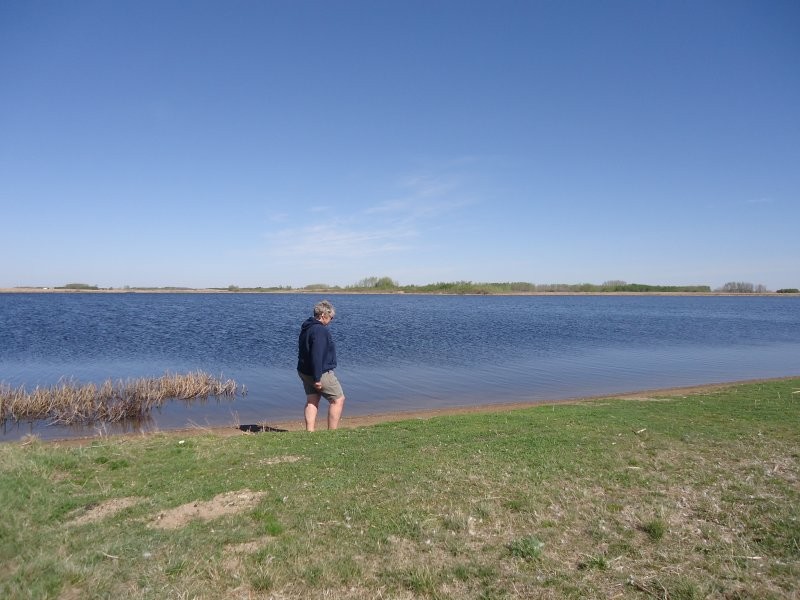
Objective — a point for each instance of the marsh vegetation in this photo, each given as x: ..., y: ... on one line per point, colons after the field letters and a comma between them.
x: 69, y: 402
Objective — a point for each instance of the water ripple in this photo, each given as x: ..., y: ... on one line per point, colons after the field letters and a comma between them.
x: 399, y: 352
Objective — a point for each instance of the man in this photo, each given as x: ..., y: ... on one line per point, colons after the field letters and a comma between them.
x: 316, y: 360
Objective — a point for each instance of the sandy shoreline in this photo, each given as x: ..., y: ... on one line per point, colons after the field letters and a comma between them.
x: 354, y: 421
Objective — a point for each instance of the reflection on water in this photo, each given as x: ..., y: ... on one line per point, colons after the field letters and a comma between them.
x: 395, y: 352
x: 20, y: 429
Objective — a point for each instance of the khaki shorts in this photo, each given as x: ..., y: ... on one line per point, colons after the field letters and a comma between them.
x: 331, y: 388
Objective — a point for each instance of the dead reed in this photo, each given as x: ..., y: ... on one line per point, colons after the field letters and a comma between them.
x: 69, y: 403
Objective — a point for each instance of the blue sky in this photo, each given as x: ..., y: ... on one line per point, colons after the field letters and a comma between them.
x: 264, y: 143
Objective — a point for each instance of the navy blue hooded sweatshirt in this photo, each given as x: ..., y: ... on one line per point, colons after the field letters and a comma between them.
x: 316, y: 351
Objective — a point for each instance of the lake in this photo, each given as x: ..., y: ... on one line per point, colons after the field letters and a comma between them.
x: 396, y: 352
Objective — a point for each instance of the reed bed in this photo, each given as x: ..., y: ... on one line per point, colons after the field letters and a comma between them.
x: 70, y: 403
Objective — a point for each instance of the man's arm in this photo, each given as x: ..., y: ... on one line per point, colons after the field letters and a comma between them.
x: 319, y: 346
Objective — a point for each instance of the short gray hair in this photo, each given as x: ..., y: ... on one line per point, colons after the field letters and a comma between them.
x: 324, y: 308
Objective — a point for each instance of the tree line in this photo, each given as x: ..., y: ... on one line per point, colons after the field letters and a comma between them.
x: 518, y: 287
x: 387, y: 284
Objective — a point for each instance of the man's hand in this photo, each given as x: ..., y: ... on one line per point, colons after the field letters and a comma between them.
x: 317, y: 385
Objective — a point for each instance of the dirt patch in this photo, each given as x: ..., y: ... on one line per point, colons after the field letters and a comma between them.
x: 219, y: 506
x: 97, y: 512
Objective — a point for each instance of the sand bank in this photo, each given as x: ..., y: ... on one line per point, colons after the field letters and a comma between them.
x: 366, y: 420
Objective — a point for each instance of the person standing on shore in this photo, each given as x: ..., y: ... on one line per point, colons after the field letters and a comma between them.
x: 316, y: 360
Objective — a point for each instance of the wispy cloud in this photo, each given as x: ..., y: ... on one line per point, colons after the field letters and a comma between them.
x: 385, y: 227
x: 430, y: 186
x: 278, y: 217
x: 345, y: 240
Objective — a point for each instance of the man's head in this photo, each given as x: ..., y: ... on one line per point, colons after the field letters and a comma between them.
x: 324, y: 311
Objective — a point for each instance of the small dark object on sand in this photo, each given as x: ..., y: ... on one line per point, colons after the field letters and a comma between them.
x: 259, y: 428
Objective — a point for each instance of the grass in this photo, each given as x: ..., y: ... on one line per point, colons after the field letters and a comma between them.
x: 528, y: 548
x: 677, y: 498
x: 655, y: 529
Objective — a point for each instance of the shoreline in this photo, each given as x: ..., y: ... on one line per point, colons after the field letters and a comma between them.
x: 343, y: 292
x: 367, y: 420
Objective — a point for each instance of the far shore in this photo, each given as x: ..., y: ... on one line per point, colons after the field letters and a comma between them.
x: 344, y: 292
x: 367, y: 420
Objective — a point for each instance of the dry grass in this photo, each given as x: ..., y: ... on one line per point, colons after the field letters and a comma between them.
x: 681, y: 499
x: 69, y: 402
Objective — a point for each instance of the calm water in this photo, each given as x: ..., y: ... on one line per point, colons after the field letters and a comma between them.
x: 395, y: 352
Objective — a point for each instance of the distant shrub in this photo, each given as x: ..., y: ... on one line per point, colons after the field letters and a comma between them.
x: 385, y: 283
x: 742, y: 287
x: 788, y: 291
x: 379, y: 283
x: 80, y: 286
x: 317, y: 286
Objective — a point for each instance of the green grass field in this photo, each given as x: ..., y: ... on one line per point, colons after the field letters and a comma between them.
x: 676, y: 497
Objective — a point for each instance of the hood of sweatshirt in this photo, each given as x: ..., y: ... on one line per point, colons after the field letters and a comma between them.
x: 309, y: 322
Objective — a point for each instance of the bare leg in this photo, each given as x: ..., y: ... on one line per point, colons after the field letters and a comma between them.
x: 312, y: 406
x: 335, y: 412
